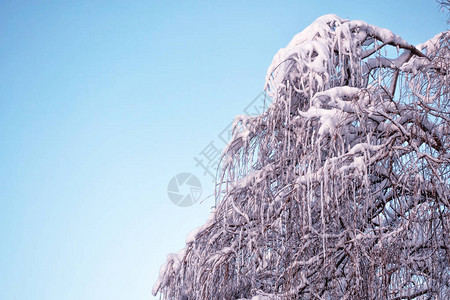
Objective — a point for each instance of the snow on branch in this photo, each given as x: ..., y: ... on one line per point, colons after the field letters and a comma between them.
x: 341, y: 188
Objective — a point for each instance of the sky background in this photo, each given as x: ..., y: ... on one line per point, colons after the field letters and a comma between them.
x: 103, y: 102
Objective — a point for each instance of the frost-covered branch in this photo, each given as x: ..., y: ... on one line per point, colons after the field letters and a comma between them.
x: 341, y: 188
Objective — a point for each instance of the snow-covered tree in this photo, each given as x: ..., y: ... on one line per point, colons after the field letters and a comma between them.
x: 341, y: 188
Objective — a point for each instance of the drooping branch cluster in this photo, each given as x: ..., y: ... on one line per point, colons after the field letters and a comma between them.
x: 341, y: 188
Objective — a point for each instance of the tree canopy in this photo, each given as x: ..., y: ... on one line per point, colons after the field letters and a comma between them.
x: 340, y: 189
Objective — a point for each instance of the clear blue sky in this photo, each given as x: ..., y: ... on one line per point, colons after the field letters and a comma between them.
x: 102, y: 102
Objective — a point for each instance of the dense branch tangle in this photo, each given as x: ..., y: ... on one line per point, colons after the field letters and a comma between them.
x: 341, y: 188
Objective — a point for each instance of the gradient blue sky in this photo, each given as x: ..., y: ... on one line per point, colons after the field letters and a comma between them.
x: 102, y: 102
